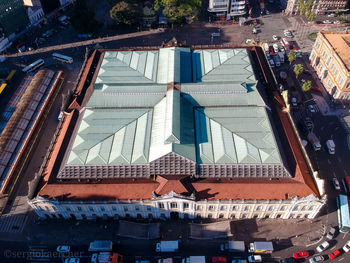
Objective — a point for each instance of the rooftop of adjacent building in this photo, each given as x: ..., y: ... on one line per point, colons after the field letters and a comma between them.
x: 340, y: 42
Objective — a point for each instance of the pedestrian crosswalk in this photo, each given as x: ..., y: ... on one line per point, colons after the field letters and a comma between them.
x: 12, y: 223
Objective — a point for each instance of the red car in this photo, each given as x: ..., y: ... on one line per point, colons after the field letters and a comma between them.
x: 255, y: 23
x: 316, y: 88
x: 218, y: 260
x: 302, y: 254
x: 334, y: 254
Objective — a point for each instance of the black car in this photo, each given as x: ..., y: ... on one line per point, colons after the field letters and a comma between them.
x: 307, y: 73
x: 287, y: 260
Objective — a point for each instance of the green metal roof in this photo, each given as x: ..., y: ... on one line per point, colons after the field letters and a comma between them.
x: 134, y: 117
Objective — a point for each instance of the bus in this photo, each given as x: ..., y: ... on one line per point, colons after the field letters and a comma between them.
x: 343, y: 213
x: 62, y: 58
x: 2, y: 87
x: 34, y: 66
x: 10, y: 76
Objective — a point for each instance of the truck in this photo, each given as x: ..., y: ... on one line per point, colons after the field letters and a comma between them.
x: 315, y: 142
x: 194, y: 259
x: 281, y: 55
x: 233, y: 246
x: 167, y: 246
x: 262, y: 247
x: 101, y: 246
x: 330, y: 146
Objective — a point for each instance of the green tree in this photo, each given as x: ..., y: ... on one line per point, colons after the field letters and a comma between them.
x: 125, y: 12
x: 306, y: 86
x: 292, y: 56
x: 82, y: 18
x: 177, y: 10
x: 308, y: 5
x: 298, y: 69
x: 339, y: 12
x: 301, y: 6
x: 342, y: 19
x: 310, y: 16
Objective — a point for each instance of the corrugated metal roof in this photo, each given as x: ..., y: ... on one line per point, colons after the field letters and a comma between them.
x: 218, y: 116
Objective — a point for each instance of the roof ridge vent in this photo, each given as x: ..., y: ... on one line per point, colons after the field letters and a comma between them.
x: 172, y: 117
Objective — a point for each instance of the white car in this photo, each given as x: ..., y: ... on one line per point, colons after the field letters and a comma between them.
x: 274, y: 37
x: 336, y: 22
x: 267, y: 12
x: 336, y: 184
x: 331, y: 15
x: 326, y: 22
x: 311, y: 108
x: 323, y: 247
x: 255, y: 258
x: 248, y: 41
x: 62, y: 249
x: 346, y: 248
x: 331, y: 233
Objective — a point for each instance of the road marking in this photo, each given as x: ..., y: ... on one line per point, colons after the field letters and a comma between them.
x: 333, y: 247
x: 341, y: 259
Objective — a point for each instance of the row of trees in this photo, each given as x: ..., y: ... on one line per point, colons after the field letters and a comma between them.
x: 299, y: 69
x: 82, y: 18
x: 128, y: 12
x: 305, y: 8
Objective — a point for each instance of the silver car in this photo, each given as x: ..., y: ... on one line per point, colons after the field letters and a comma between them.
x: 316, y: 259
x: 331, y: 233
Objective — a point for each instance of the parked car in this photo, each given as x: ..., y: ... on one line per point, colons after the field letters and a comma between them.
x: 299, y: 55
x: 316, y: 88
x: 302, y: 254
x: 311, y: 108
x: 62, y: 249
x: 267, y: 12
x: 337, y: 22
x: 346, y: 247
x: 316, y: 259
x: 287, y: 260
x: 255, y: 22
x: 331, y: 233
x: 218, y: 260
x: 294, y: 102
x: 336, y: 184
x: 307, y: 73
x: 322, y: 247
x: 239, y: 261
x: 331, y: 15
x: 255, y: 258
x: 274, y: 37
x: 326, y: 22
x: 72, y: 260
x: 334, y: 254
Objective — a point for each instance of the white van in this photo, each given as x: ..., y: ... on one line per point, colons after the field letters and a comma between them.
x: 330, y: 146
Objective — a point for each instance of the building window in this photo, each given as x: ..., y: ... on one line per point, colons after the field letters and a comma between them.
x: 186, y: 216
x: 267, y: 216
x: 102, y: 208
x: 137, y: 208
x: 198, y: 216
x: 233, y: 216
x: 199, y: 207
x: 91, y: 208
x: 311, y: 208
x: 234, y: 208
x: 283, y: 208
x: 186, y: 205
x: 127, y: 215
x: 138, y: 216
x: 278, y: 215
x: 255, y: 216
x: 223, y: 208
x: 244, y: 216
x: 68, y: 209
x: 211, y: 208
x: 210, y: 215
x: 247, y: 208
x: 79, y: 208
x: 271, y: 208
x: 296, y: 208
x: 149, y: 208
x: 125, y: 208
x: 303, y: 208
x: 173, y: 205
x: 259, y: 208
x: 162, y: 215
x: 150, y: 216
x: 114, y: 208
x: 161, y: 205
x: 221, y: 215
x: 306, y: 215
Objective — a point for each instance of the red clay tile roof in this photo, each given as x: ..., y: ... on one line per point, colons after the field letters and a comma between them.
x: 171, y: 183
x: 250, y: 188
x: 99, y: 191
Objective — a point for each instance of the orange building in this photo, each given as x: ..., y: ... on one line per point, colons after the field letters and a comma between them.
x: 330, y: 57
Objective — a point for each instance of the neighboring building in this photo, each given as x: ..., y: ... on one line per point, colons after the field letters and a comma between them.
x: 330, y: 58
x: 13, y: 17
x: 227, y: 8
x: 174, y: 133
x: 34, y: 11
x: 319, y: 6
